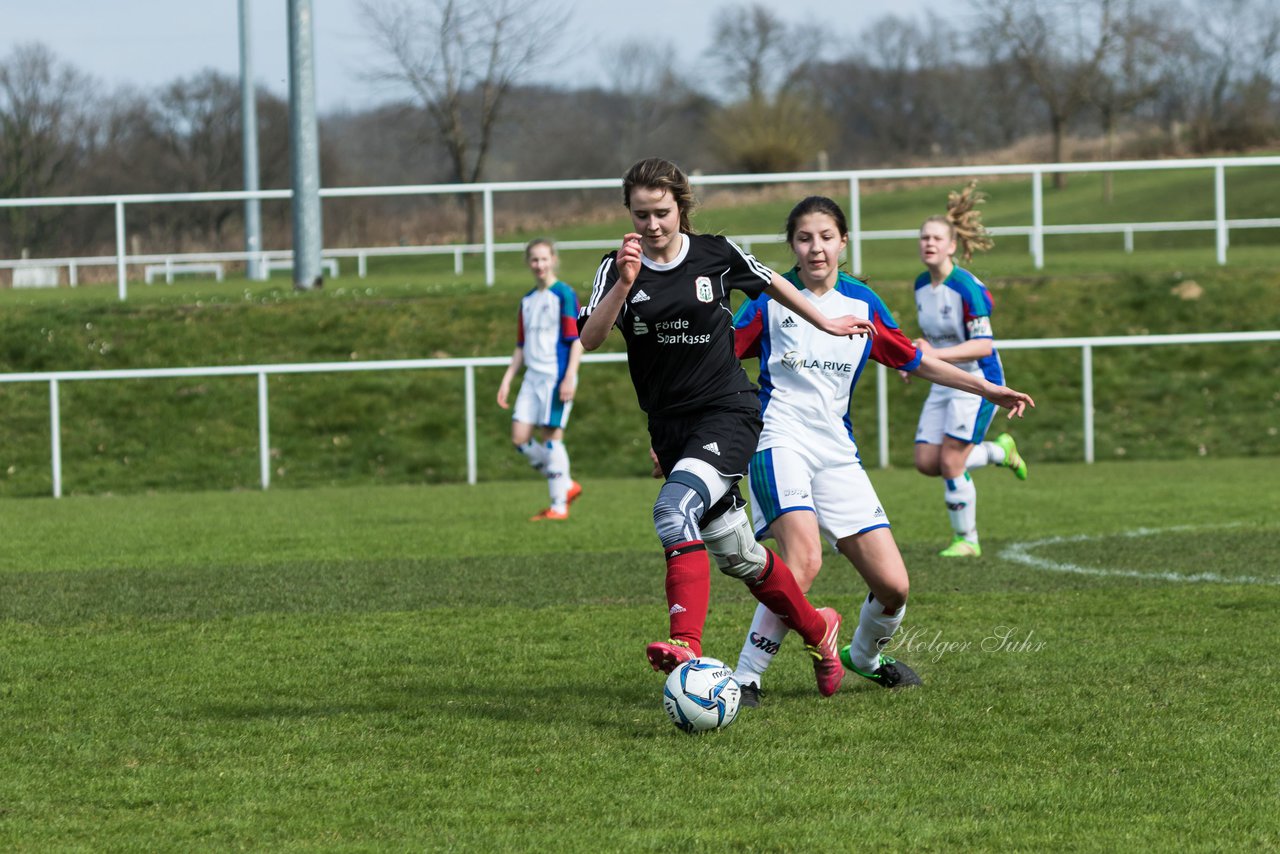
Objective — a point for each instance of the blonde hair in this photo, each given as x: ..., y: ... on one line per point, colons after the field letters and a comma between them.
x: 964, y: 221
x: 540, y: 241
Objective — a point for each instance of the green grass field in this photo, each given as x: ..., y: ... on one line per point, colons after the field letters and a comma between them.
x: 370, y: 656
x: 419, y: 668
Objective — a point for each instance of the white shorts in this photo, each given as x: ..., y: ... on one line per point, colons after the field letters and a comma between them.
x: 539, y: 401
x: 951, y: 412
x: 842, y: 497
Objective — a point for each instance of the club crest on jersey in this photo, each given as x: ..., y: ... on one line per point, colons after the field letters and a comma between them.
x: 702, y: 287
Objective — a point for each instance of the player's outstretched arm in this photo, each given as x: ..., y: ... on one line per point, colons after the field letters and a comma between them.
x: 936, y: 370
x: 785, y: 292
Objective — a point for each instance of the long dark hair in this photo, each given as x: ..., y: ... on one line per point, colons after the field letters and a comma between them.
x: 658, y: 174
x: 816, y: 204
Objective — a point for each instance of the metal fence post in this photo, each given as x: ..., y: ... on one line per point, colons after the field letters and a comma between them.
x: 1087, y: 383
x: 855, y: 228
x: 1037, y: 219
x: 122, y: 288
x: 264, y: 433
x: 488, y: 236
x: 1220, y: 210
x: 55, y: 438
x: 470, y: 374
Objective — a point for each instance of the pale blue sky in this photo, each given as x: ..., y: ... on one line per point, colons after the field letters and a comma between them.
x: 146, y: 43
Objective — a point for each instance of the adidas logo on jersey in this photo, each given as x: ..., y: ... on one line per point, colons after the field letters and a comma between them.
x: 712, y: 447
x: 640, y: 296
x: 788, y: 322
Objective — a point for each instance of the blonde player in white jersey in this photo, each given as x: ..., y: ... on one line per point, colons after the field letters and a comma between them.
x: 954, y: 310
x: 547, y: 347
x: 807, y: 480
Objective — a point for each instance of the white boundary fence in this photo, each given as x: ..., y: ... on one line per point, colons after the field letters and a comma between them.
x: 1035, y: 231
x: 55, y: 378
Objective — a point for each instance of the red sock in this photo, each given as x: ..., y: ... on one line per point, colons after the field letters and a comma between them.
x: 777, y: 590
x: 689, y: 591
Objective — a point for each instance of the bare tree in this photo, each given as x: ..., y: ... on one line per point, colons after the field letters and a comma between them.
x: 187, y: 139
x: 1132, y: 73
x: 42, y: 113
x: 772, y: 126
x: 459, y: 59
x: 1231, y: 71
x: 755, y: 52
x: 653, y: 98
x: 1060, y: 45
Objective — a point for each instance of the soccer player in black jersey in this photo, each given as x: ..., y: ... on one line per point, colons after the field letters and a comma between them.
x: 667, y: 290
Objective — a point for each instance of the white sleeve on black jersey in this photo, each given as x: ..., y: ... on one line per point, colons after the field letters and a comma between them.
x: 606, y: 276
x: 753, y: 268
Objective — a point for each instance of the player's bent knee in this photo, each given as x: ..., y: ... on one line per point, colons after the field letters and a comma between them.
x: 805, y: 567
x: 734, y: 547
x: 892, y: 598
x: 676, y: 512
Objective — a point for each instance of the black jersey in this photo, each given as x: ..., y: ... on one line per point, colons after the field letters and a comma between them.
x: 678, y: 324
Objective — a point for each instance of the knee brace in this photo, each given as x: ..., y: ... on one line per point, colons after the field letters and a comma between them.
x: 676, y: 512
x: 733, y: 545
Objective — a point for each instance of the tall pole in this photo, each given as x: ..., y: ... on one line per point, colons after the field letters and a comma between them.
x: 249, y: 147
x: 304, y: 147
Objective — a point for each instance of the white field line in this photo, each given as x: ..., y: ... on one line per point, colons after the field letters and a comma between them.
x: 1022, y: 553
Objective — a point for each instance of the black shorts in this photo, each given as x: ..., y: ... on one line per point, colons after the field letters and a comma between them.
x: 723, y: 435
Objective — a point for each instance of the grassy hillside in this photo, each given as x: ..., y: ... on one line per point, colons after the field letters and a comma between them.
x: 1163, y: 402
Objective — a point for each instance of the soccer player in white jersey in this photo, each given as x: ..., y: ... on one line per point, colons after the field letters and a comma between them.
x: 666, y: 290
x: 954, y: 310
x: 807, y: 481
x: 547, y: 346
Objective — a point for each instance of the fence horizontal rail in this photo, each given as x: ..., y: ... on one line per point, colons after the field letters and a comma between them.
x: 458, y: 250
x: 468, y: 365
x: 850, y: 177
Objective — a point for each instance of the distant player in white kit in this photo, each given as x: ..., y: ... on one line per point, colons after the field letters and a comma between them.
x: 807, y: 480
x: 954, y: 310
x: 547, y: 346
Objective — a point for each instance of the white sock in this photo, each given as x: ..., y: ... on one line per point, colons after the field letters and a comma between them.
x: 875, y: 628
x: 985, y: 454
x: 535, y: 453
x: 762, y: 644
x: 962, y: 506
x: 557, y: 472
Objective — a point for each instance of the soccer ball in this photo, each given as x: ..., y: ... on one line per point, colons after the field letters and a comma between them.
x: 701, y: 695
